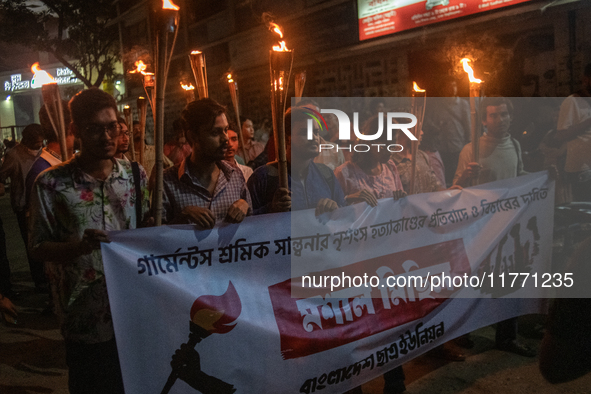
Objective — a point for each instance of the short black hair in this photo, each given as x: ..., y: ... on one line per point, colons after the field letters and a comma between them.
x: 121, y: 120
x: 201, y: 115
x: 31, y: 133
x: 48, y: 133
x: 294, y: 114
x: 305, y: 102
x: 495, y: 101
x: 87, y: 103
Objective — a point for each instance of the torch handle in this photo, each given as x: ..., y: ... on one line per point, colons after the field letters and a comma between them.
x: 194, y: 339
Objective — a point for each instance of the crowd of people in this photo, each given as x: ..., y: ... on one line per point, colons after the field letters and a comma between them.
x: 65, y: 209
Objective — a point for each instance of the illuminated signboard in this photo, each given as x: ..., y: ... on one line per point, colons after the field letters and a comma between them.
x: 28, y: 81
x: 380, y: 17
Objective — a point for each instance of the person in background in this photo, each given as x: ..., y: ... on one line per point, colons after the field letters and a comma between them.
x: 574, y: 128
x: 253, y: 148
x: 332, y: 158
x: 50, y: 156
x: 370, y: 176
x: 123, y: 141
x: 233, y: 147
x: 311, y: 185
x: 448, y: 125
x: 177, y: 149
x: 73, y: 205
x: 17, y: 163
x: 500, y: 158
x: 426, y: 181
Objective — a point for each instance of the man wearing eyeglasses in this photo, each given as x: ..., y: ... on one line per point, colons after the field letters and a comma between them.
x: 123, y: 140
x: 73, y: 205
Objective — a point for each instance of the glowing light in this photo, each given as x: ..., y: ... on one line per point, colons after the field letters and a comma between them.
x: 195, y: 52
x: 188, y: 87
x: 140, y: 68
x: 40, y: 77
x: 469, y: 70
x: 8, y: 98
x: 281, y: 47
x: 275, y: 27
x: 416, y: 88
x: 169, y: 5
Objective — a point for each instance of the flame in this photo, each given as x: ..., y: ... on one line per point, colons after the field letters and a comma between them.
x: 195, y: 52
x: 229, y: 76
x: 416, y: 88
x: 215, y: 313
x: 169, y: 5
x: 469, y: 70
x: 281, y: 47
x: 140, y: 68
x: 275, y: 27
x: 187, y: 87
x: 40, y: 77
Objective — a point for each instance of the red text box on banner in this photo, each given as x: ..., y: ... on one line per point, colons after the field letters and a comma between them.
x: 324, y: 320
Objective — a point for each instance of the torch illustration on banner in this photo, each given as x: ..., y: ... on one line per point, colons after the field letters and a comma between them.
x: 197, y: 59
x: 280, y: 62
x: 233, y: 86
x: 418, y: 104
x: 209, y: 315
x: 53, y: 103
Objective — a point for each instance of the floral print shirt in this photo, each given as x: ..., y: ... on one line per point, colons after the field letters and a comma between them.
x: 64, y: 202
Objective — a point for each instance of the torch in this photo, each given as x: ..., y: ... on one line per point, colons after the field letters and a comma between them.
x: 189, y: 92
x: 300, y: 82
x: 419, y: 97
x: 53, y: 103
x: 142, y: 107
x: 167, y: 24
x: 147, y: 81
x: 209, y: 314
x: 197, y: 59
x: 280, y: 61
x: 129, y: 121
x: 233, y: 86
x: 474, y: 92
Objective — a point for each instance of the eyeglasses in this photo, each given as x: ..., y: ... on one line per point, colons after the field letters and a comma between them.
x: 113, y: 129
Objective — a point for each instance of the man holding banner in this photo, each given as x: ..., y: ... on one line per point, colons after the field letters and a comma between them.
x: 204, y: 189
x: 72, y: 208
x: 312, y: 185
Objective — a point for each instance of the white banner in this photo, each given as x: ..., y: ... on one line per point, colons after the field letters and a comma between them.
x: 226, y: 293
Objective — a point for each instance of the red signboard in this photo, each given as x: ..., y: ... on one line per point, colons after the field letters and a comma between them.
x: 380, y: 17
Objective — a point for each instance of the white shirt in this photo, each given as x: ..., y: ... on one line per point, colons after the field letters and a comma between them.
x: 574, y: 110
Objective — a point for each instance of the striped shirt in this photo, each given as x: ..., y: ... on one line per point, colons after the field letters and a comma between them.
x: 182, y: 189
